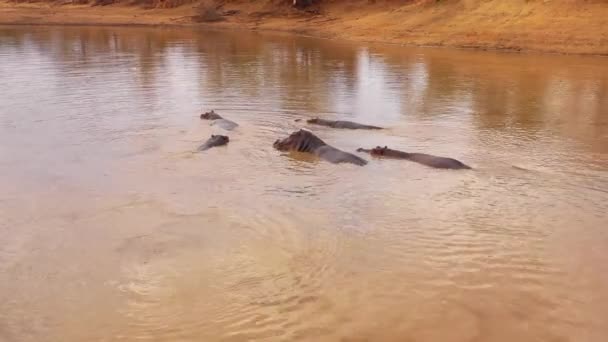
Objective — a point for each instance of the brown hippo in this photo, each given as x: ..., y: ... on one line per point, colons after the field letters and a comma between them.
x: 420, y: 158
x: 216, y: 119
x: 215, y: 140
x: 340, y: 124
x: 305, y: 141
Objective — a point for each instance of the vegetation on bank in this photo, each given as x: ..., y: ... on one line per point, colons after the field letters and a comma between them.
x: 562, y: 26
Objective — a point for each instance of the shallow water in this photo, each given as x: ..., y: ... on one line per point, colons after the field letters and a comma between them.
x: 113, y: 227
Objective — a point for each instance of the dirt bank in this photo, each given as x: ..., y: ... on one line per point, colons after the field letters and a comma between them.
x: 562, y: 26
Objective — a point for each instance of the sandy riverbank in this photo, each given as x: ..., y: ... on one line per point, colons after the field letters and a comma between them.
x: 559, y: 26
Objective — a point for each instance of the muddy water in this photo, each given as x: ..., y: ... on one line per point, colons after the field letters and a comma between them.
x: 113, y: 228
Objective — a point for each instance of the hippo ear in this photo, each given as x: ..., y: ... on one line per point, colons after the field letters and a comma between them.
x: 385, y: 147
x: 213, y: 135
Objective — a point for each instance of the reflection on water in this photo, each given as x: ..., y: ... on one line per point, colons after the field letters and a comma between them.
x: 113, y: 229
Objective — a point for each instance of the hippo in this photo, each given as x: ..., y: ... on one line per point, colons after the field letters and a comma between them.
x: 215, y: 140
x: 306, y: 141
x: 340, y: 124
x: 216, y: 119
x: 420, y: 158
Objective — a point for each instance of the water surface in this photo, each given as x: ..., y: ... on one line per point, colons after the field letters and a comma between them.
x: 114, y: 229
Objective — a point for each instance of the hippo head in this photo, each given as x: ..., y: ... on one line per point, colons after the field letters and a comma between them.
x: 313, y: 120
x: 302, y: 140
x: 220, y: 139
x: 210, y: 116
x: 378, y: 150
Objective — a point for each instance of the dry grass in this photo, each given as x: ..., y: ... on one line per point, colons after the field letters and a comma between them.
x: 141, y: 3
x: 207, y: 12
x: 566, y: 26
x: 169, y: 3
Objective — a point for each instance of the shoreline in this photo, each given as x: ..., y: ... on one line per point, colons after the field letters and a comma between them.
x: 371, y: 24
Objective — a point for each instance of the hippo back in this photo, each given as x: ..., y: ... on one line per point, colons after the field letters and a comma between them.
x: 437, y: 162
x: 301, y: 141
x: 336, y: 156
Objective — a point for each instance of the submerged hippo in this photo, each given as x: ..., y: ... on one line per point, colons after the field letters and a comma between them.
x: 215, y: 140
x: 340, y: 124
x: 216, y: 119
x: 305, y: 141
x: 421, y: 158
